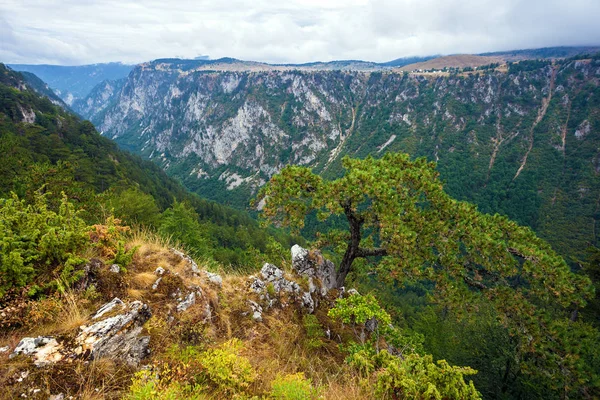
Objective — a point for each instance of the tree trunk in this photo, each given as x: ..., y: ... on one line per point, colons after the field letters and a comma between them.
x: 352, y: 249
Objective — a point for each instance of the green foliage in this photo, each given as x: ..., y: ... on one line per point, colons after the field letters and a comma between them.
x: 293, y: 387
x: 181, y: 223
x: 425, y: 236
x: 358, y: 309
x: 418, y: 377
x: 147, y: 385
x: 226, y: 368
x: 314, y: 332
x: 123, y: 257
x: 36, y: 242
x: 133, y: 207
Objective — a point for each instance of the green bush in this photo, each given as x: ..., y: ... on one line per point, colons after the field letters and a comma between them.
x: 227, y: 368
x: 418, y: 377
x: 292, y: 387
x: 37, y: 242
x: 147, y: 385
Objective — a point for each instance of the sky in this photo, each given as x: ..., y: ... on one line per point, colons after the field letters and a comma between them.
x: 75, y: 32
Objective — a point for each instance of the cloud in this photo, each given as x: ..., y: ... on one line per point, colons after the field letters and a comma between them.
x: 90, y: 31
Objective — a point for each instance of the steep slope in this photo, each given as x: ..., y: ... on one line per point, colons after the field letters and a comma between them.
x: 75, y: 82
x: 522, y: 142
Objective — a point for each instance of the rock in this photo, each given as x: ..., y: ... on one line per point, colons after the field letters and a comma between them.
x: 352, y: 292
x: 256, y: 310
x: 207, y: 312
x: 22, y: 376
x: 115, y: 268
x: 308, y: 302
x: 116, y: 302
x: 117, y: 337
x: 4, y: 349
x: 43, y: 349
x: 155, y: 284
x: 90, y: 273
x: 312, y: 288
x: 272, y: 274
x: 257, y: 286
x: 159, y: 271
x: 60, y: 396
x: 189, y: 301
x: 312, y: 264
x: 187, y: 258
x: 214, y: 278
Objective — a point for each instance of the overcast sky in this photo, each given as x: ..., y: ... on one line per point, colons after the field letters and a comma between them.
x: 72, y: 32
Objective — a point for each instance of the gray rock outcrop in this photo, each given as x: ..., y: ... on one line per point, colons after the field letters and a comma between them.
x: 312, y: 264
x: 113, y: 336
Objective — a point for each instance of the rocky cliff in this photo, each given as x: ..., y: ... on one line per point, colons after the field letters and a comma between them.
x: 520, y: 139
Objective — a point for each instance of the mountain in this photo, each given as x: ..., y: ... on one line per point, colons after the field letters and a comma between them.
x: 47, y: 148
x: 520, y: 139
x: 543, y: 53
x: 454, y: 61
x: 75, y: 82
x: 43, y: 89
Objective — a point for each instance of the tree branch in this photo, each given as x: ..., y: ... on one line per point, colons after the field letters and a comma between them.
x: 473, y: 283
x: 362, y: 252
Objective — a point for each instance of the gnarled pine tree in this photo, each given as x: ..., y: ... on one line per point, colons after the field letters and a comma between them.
x: 396, y: 209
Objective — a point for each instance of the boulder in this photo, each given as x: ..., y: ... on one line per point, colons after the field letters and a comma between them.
x: 272, y: 274
x: 308, y: 302
x: 108, y: 307
x: 43, y: 349
x: 188, y: 259
x: 256, y: 310
x: 214, y: 278
x: 187, y: 302
x: 116, y: 337
x: 312, y: 264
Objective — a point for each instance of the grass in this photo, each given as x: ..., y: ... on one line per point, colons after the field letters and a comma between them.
x: 275, y: 347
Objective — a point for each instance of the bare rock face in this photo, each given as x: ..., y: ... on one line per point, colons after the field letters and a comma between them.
x: 312, y: 264
x: 272, y: 274
x: 112, y: 336
x: 273, y: 283
x: 188, y: 259
x: 117, y: 336
x: 43, y: 349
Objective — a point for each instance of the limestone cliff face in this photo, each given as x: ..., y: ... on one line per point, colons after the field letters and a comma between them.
x: 522, y: 141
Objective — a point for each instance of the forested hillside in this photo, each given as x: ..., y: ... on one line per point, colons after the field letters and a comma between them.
x: 46, y: 148
x: 519, y: 139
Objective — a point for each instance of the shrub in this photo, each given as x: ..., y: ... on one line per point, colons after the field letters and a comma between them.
x: 418, y: 377
x: 227, y: 368
x: 147, y: 385
x: 292, y: 387
x: 35, y: 240
x: 357, y: 310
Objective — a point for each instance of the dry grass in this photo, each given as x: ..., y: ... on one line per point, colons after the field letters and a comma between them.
x: 72, y: 313
x: 143, y: 280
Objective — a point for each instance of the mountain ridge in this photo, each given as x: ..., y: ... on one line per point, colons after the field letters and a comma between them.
x: 224, y: 133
